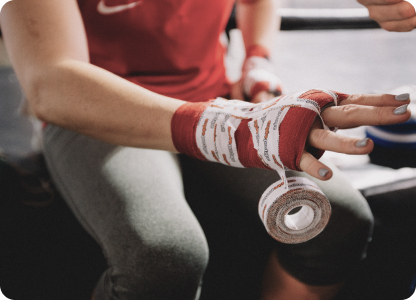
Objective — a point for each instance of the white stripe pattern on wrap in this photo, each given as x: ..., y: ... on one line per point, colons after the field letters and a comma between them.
x: 215, y: 132
x: 218, y: 123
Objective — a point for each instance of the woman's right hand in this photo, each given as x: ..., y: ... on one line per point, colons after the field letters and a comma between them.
x: 353, y: 111
x: 392, y: 15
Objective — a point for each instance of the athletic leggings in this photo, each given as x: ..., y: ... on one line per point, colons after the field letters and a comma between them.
x: 132, y: 202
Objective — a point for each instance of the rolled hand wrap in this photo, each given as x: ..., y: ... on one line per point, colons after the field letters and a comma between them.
x: 259, y: 73
x: 270, y: 135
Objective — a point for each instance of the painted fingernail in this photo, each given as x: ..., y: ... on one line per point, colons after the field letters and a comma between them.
x: 322, y: 172
x: 402, y: 97
x: 362, y: 143
x: 400, y: 110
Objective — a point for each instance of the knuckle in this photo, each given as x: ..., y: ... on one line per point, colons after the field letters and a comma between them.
x: 355, y: 98
x: 349, y: 110
x: 405, y: 9
x: 319, y: 135
x: 349, y: 113
x: 379, y: 115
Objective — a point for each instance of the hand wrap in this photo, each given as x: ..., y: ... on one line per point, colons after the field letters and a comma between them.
x: 259, y: 74
x: 270, y: 135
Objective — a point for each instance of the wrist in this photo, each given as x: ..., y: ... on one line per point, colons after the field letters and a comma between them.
x: 183, y: 128
x: 203, y: 131
x: 257, y: 50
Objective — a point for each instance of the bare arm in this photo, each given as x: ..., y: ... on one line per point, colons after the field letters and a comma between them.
x: 48, y: 49
x: 258, y: 22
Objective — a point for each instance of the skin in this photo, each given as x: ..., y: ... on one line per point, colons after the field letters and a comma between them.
x: 48, y: 49
x: 392, y: 15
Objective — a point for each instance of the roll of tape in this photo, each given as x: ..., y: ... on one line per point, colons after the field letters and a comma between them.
x: 296, y: 214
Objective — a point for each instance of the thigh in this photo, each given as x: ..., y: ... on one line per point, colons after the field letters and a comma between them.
x: 226, y: 208
x: 130, y: 200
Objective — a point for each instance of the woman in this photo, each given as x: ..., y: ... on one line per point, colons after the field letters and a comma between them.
x: 118, y: 83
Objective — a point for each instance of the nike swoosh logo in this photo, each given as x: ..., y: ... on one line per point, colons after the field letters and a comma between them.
x: 109, y: 10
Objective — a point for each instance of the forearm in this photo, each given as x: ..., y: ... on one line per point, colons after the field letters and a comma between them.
x: 48, y: 49
x: 84, y: 98
x: 258, y: 22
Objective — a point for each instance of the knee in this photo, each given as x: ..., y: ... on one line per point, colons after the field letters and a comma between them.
x: 160, y: 267
x: 351, y: 231
x: 331, y: 256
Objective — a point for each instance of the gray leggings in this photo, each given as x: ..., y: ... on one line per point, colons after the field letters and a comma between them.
x: 132, y: 202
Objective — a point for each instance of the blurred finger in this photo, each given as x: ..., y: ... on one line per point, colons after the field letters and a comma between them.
x: 328, y: 140
x: 314, y: 167
x: 394, y: 12
x: 399, y: 26
x: 236, y: 91
x: 349, y: 116
x: 376, y: 100
x: 262, y: 97
x: 377, y: 2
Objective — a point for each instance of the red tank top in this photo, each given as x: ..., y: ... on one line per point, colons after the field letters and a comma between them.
x: 171, y: 47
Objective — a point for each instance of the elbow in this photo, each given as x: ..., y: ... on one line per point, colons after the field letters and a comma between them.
x: 35, y: 89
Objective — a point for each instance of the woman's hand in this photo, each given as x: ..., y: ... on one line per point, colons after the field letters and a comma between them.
x: 283, y: 133
x: 392, y: 15
x: 237, y: 93
x: 354, y: 111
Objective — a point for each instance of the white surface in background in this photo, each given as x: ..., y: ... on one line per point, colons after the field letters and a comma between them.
x: 413, y: 2
x: 2, y: 2
x: 413, y: 297
x: 2, y: 297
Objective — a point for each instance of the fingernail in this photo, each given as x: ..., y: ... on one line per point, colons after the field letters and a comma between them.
x: 322, y: 172
x: 400, y: 110
x: 402, y: 97
x: 362, y: 143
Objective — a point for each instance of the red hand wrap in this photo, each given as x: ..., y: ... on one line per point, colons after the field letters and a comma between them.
x: 257, y: 50
x: 258, y: 73
x: 183, y: 127
x: 293, y: 132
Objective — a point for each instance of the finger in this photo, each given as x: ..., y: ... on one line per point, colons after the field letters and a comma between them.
x: 349, y: 116
x: 262, y: 96
x: 237, y: 91
x: 377, y: 2
x: 314, y: 167
x: 377, y: 100
x: 394, y: 12
x: 399, y: 26
x: 328, y: 140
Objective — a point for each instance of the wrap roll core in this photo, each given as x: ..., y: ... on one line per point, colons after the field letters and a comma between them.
x: 296, y: 214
